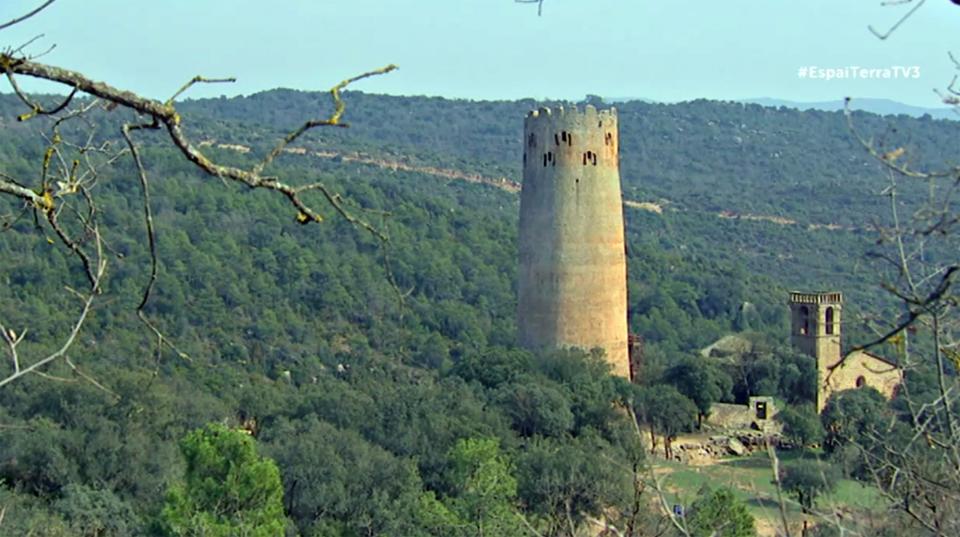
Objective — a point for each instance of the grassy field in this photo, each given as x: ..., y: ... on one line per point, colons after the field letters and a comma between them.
x: 751, y: 479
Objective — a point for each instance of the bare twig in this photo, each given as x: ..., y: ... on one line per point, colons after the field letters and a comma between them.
x: 332, y: 121
x: 35, y: 107
x: 889, y: 160
x: 27, y: 16
x: 903, y: 19
x: 657, y: 485
x: 197, y: 80
x: 538, y: 2
x: 13, y: 340
x: 781, y: 504
x: 151, y: 237
x: 26, y: 44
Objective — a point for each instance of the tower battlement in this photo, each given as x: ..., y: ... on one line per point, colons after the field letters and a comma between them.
x: 589, y: 112
x: 571, y: 136
x: 832, y: 297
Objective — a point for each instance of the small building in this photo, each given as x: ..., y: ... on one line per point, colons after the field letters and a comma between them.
x: 816, y: 329
x: 758, y: 415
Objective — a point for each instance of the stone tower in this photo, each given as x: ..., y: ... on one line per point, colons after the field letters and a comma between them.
x: 573, y: 268
x: 815, y: 331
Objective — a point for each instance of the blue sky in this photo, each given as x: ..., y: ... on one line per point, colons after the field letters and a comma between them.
x: 665, y: 50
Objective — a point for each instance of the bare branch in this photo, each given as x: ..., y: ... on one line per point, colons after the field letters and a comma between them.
x: 35, y: 108
x: 166, y: 115
x: 952, y: 96
x: 151, y: 237
x: 13, y: 340
x: 775, y: 467
x: 73, y: 245
x: 538, y: 2
x: 197, y: 80
x: 939, y: 292
x: 890, y: 159
x: 26, y: 44
x: 903, y: 19
x: 161, y: 116
x: 27, y: 16
x: 89, y: 379
x: 333, y: 120
x: 9, y: 187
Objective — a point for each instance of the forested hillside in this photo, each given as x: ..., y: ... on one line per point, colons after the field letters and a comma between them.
x: 751, y: 166
x: 360, y: 366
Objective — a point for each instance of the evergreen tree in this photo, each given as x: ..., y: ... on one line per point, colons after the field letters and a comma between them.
x: 807, y: 480
x: 228, y: 489
x: 801, y: 425
x: 718, y: 513
x: 484, y: 489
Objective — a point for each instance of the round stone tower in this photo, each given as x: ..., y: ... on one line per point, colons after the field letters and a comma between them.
x: 573, y: 268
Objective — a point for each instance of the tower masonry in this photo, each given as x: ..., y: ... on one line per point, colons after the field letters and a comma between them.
x: 573, y: 269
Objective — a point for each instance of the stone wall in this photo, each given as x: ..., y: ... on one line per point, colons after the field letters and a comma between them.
x: 860, y: 369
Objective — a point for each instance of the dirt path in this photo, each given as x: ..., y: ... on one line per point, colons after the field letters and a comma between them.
x: 503, y: 183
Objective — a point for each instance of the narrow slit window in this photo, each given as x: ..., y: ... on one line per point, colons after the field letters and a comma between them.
x: 556, y: 138
x: 544, y: 160
x: 570, y: 139
x: 828, y: 321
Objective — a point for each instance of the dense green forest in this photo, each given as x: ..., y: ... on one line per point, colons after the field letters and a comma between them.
x: 383, y: 379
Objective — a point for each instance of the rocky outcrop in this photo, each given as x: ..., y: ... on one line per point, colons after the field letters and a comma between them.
x: 722, y: 446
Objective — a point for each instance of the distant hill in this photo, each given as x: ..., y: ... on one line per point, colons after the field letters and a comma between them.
x: 883, y: 107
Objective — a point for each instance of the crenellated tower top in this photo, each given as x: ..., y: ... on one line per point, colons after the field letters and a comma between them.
x: 570, y: 137
x: 831, y: 297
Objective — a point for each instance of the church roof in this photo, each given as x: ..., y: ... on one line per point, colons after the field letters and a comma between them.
x: 878, y: 358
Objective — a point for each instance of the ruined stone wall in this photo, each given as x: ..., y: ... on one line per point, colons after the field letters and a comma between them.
x: 573, y: 273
